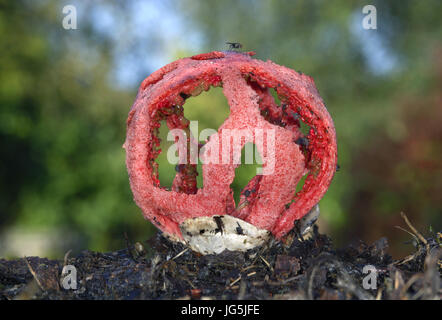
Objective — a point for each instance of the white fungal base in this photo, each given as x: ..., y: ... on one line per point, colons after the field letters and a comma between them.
x: 213, y: 235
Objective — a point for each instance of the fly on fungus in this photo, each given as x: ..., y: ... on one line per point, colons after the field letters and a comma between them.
x: 207, y: 219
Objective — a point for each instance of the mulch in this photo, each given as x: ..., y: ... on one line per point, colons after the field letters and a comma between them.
x: 297, y: 269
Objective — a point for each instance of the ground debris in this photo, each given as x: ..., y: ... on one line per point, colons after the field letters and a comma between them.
x: 297, y: 269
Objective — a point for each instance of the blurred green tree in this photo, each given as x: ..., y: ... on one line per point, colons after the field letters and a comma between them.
x: 62, y: 126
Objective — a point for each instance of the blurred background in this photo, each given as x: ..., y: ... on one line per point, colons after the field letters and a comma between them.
x: 65, y: 95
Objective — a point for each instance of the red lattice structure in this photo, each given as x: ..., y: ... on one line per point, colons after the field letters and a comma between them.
x: 272, y: 203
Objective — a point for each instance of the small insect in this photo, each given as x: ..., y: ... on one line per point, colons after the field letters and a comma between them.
x: 184, y: 95
x: 234, y: 45
x: 247, y: 193
x: 302, y: 141
x: 294, y: 115
x: 338, y: 167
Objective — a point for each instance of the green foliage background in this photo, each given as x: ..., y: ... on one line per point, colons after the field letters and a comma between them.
x: 63, y: 111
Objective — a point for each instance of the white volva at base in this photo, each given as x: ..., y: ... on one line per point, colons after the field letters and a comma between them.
x: 213, y: 235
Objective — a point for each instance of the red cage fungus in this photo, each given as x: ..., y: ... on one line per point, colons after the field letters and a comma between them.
x: 271, y: 201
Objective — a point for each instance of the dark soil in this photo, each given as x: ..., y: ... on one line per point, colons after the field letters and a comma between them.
x: 298, y: 269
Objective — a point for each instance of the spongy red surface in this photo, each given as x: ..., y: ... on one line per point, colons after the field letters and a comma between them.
x: 245, y: 82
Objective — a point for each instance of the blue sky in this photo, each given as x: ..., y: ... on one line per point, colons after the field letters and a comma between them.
x: 147, y: 41
x: 146, y: 35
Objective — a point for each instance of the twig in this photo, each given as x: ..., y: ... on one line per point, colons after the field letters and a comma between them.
x: 398, y: 280
x: 284, y: 282
x: 407, y: 258
x: 405, y: 230
x: 247, y: 268
x: 379, y: 294
x: 267, y: 264
x: 239, y: 278
x: 189, y: 282
x: 129, y: 246
x: 180, y: 254
x: 409, y: 283
x: 66, y: 257
x: 417, y: 233
x: 34, y: 274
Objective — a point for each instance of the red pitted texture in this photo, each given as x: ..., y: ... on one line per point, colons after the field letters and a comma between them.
x: 268, y: 201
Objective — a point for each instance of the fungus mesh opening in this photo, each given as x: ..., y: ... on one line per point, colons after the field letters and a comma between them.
x: 166, y: 170
x: 246, y: 170
x: 205, y: 111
